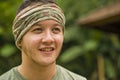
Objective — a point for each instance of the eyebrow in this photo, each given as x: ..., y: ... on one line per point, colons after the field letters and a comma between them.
x: 56, y: 24
x: 37, y: 24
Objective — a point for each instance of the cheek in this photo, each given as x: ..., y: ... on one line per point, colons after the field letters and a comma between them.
x: 59, y: 40
x: 30, y: 41
x: 34, y: 40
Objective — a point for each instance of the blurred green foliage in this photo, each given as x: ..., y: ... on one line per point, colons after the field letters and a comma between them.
x: 81, y: 46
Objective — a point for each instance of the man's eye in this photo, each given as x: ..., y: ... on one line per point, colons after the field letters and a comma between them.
x: 37, y: 30
x: 56, y: 30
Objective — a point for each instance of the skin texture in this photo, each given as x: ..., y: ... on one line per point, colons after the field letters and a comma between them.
x: 40, y: 47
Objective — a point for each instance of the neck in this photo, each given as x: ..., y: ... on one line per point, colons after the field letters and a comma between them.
x: 31, y: 72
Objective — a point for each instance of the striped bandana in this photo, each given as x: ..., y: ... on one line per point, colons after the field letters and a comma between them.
x: 33, y: 14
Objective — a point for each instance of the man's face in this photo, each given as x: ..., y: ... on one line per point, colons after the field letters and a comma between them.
x: 42, y: 43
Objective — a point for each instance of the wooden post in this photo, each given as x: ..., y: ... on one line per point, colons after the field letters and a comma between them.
x: 100, y: 61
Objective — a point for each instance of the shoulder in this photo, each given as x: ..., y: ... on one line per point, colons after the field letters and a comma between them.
x: 7, y: 75
x: 70, y: 75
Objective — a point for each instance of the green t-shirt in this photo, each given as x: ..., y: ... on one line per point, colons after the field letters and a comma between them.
x: 61, y: 74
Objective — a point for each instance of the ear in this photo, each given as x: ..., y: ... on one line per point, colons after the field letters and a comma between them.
x: 19, y: 44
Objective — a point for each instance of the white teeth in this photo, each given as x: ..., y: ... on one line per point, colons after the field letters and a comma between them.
x: 46, y: 49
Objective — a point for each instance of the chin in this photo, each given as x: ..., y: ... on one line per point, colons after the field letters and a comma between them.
x: 47, y: 62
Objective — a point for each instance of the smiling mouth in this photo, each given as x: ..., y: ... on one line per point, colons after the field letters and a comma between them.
x: 47, y: 49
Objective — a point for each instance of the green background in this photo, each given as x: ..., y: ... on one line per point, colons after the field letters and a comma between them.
x: 82, y: 47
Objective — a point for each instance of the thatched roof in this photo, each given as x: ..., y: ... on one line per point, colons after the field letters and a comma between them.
x: 106, y: 19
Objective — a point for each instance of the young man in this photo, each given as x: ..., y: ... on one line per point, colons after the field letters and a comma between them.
x: 38, y: 29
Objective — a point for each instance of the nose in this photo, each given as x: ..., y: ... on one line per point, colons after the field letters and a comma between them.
x: 48, y: 38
